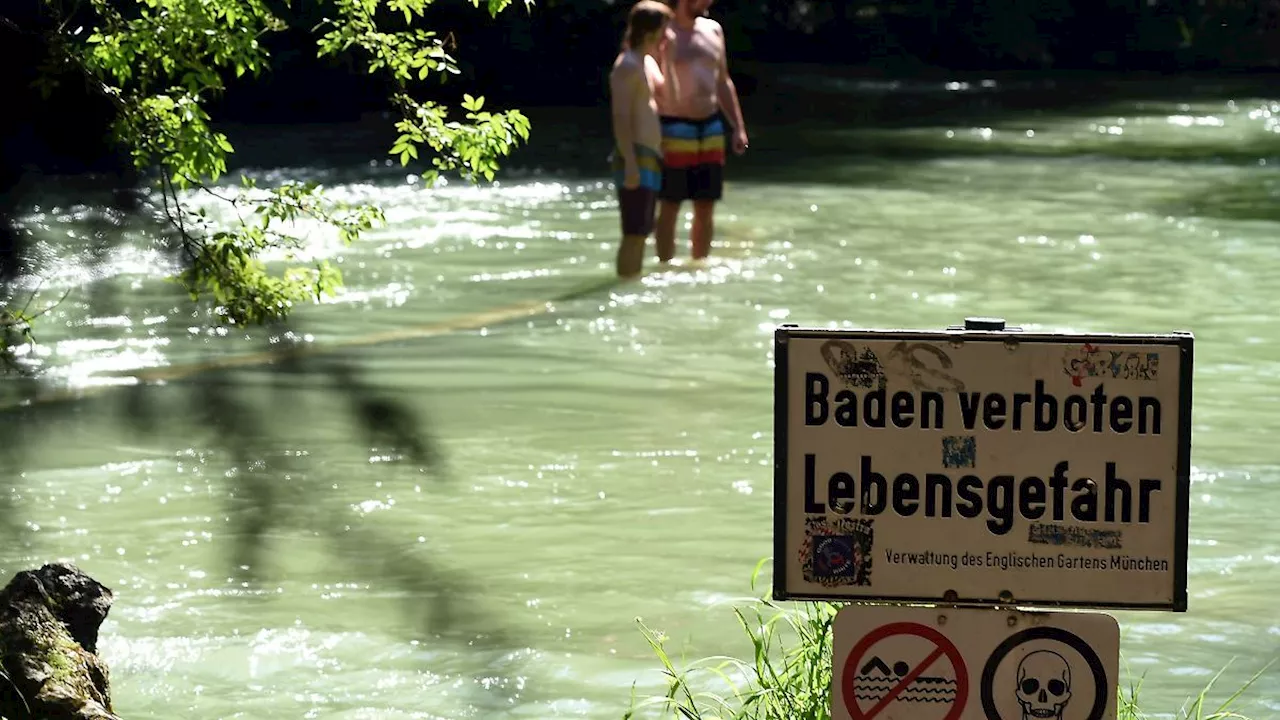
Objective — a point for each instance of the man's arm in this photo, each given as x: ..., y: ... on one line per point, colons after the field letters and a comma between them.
x: 669, y: 93
x: 665, y: 89
x: 622, y: 89
x: 653, y: 74
x: 727, y: 93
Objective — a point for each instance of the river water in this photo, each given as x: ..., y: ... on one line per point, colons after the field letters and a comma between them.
x: 608, y: 457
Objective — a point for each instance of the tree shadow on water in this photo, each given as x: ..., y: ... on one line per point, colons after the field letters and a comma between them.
x: 1253, y: 199
x: 275, y: 485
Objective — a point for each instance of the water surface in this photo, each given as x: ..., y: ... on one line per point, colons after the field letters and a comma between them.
x: 610, y: 457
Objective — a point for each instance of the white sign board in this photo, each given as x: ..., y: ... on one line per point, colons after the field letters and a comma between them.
x: 982, y: 467
x: 966, y: 664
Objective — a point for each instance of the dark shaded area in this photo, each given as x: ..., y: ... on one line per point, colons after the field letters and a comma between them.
x: 49, y: 620
x: 557, y: 54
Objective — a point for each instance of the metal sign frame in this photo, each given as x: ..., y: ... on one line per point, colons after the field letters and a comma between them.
x: 992, y: 330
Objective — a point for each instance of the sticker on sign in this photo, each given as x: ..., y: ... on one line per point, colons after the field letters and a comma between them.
x: 950, y: 664
x: 982, y: 467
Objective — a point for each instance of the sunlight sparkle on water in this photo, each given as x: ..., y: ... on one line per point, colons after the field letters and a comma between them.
x: 522, y: 274
x: 1190, y: 121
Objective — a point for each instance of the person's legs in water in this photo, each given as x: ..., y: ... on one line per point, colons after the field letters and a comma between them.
x: 708, y: 187
x: 664, y: 233
x: 693, y: 160
x: 675, y: 182
x: 636, y: 207
x: 637, y: 224
x: 703, y: 228
x: 630, y: 257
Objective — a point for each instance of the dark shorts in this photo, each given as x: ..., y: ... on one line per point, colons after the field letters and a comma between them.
x: 693, y: 153
x: 637, y: 204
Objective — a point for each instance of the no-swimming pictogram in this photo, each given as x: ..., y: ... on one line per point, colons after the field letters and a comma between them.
x: 905, y: 662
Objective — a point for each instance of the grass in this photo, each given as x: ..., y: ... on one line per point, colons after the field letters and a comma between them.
x: 788, y: 674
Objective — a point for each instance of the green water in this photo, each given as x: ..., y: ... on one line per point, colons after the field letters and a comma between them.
x: 610, y: 458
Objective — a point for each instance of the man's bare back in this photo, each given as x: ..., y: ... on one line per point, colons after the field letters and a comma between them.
x: 696, y: 60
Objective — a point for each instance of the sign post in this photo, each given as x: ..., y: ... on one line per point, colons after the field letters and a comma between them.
x: 979, y: 469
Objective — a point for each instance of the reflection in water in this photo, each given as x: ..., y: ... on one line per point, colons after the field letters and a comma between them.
x: 608, y: 451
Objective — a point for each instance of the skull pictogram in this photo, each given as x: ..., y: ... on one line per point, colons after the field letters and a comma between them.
x: 1044, y: 685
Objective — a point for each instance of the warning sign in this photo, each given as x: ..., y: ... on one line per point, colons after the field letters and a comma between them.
x: 982, y: 467
x: 905, y: 663
x: 1044, y: 672
x: 899, y: 663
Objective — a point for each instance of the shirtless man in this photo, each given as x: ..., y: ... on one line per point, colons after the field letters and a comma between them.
x: 697, y: 100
